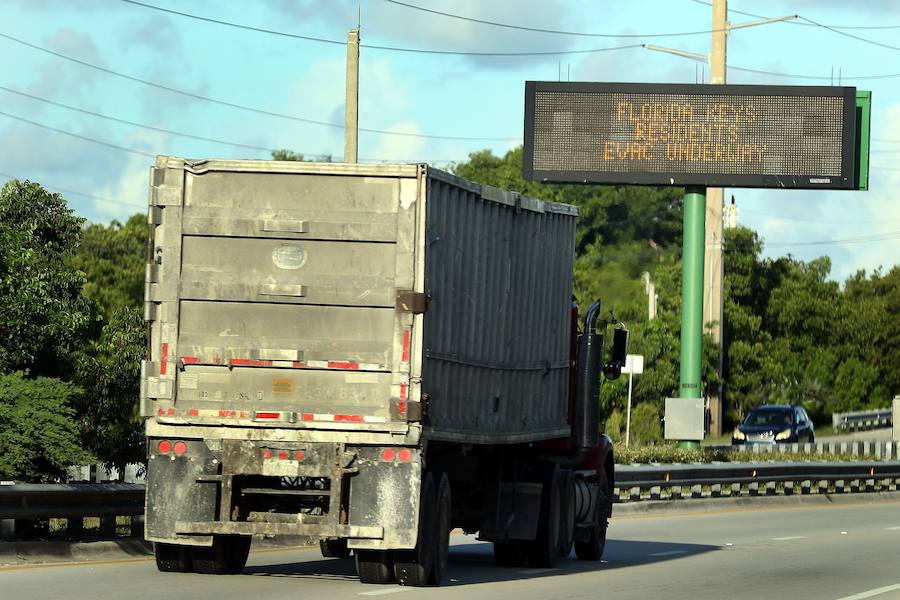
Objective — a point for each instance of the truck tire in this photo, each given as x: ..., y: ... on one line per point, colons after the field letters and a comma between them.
x: 413, y: 567
x: 442, y: 534
x: 227, y: 555
x: 567, y: 514
x: 375, y: 566
x: 592, y: 549
x: 544, y: 549
x: 173, y: 558
x: 510, y: 554
x: 334, y: 548
x: 239, y: 552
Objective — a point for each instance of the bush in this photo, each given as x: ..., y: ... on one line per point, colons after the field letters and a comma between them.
x: 38, y: 429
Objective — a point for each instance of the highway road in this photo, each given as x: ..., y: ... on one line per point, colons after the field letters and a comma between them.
x: 845, y: 551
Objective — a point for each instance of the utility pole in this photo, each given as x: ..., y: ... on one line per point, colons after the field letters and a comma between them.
x: 713, y: 268
x: 351, y: 105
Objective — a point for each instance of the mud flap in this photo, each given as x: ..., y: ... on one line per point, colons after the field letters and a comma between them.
x: 385, y: 494
x: 173, y: 493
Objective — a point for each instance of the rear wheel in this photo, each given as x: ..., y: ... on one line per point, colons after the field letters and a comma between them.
x: 592, y: 549
x: 413, y: 567
x: 173, y: 558
x: 567, y: 514
x: 375, y: 566
x: 334, y: 548
x: 442, y: 534
x: 227, y: 555
x: 544, y: 549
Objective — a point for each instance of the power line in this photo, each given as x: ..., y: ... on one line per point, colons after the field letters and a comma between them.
x: 757, y: 16
x: 813, y: 77
x: 882, y: 237
x: 842, y: 222
x: 242, y: 106
x: 73, y: 192
x: 79, y: 136
x: 135, y: 124
x: 541, y: 30
x: 376, y: 47
x: 852, y: 36
x: 149, y: 155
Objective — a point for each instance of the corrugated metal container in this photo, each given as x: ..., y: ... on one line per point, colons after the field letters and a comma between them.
x: 328, y: 296
x: 498, y: 273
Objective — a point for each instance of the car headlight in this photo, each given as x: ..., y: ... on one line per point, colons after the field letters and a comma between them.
x: 738, y: 434
x: 783, y: 435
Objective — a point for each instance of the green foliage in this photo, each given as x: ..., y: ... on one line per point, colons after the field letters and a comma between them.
x: 42, y: 309
x: 110, y: 373
x: 113, y: 259
x: 670, y: 454
x: 290, y: 155
x: 793, y: 336
x: 38, y: 433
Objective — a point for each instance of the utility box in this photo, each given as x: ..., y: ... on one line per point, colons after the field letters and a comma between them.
x: 685, y: 419
x: 896, y: 432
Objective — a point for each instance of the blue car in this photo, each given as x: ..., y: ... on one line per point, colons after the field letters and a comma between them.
x: 774, y: 424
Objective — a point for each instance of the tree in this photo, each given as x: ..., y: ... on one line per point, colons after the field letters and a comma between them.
x: 290, y: 155
x: 110, y: 372
x: 113, y: 259
x: 38, y: 428
x: 42, y: 308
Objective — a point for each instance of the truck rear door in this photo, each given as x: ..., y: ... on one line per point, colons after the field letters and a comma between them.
x: 273, y: 295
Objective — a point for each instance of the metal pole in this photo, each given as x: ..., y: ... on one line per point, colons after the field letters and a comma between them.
x: 692, y: 297
x: 351, y: 105
x: 628, y: 418
x: 713, y: 301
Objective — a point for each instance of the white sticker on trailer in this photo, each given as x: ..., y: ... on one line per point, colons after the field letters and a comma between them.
x: 361, y: 378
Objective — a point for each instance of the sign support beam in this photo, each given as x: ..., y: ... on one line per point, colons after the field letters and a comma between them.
x: 692, y: 297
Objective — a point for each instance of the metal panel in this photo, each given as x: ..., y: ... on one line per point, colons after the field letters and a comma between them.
x: 498, y: 274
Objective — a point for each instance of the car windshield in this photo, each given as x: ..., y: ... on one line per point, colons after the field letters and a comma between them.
x: 769, y: 416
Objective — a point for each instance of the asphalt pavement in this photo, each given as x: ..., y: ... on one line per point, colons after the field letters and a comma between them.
x: 835, y: 552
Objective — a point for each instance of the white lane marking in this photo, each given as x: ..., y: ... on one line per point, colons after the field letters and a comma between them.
x: 871, y: 593
x: 892, y: 528
x: 537, y: 571
x: 394, y: 590
x: 791, y: 537
x: 669, y: 553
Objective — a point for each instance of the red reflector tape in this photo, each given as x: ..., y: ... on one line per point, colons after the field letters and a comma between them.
x: 163, y: 357
x: 308, y: 416
x: 403, y: 391
x: 194, y: 412
x: 190, y: 360
x: 268, y: 415
x: 350, y: 418
x: 405, y: 354
x: 332, y: 364
x: 249, y: 362
x: 297, y: 364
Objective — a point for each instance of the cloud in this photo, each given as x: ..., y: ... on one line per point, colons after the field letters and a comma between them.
x: 398, y: 26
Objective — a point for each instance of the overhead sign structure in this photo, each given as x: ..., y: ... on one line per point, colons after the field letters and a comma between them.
x: 696, y: 135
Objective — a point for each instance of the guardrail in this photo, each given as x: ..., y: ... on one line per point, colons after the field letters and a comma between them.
x: 669, y: 482
x: 862, y: 420
x: 878, y: 450
x: 24, y: 508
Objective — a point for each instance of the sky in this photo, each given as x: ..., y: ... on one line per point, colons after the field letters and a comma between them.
x: 163, y: 82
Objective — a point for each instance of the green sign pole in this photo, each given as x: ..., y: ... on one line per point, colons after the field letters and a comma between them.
x: 692, y: 296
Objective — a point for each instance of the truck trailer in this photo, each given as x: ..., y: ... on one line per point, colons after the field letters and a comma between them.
x: 369, y: 356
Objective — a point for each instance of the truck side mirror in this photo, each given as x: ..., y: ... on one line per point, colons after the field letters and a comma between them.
x: 613, y: 368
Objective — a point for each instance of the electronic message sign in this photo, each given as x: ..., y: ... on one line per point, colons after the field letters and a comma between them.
x: 677, y: 134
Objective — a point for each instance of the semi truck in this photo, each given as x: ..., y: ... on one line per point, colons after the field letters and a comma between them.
x: 369, y: 356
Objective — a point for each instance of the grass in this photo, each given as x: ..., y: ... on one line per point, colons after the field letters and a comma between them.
x: 668, y: 453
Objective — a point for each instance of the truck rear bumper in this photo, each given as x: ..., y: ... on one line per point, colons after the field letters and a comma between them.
x: 247, y: 528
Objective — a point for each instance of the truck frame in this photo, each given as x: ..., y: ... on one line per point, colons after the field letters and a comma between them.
x: 369, y: 356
